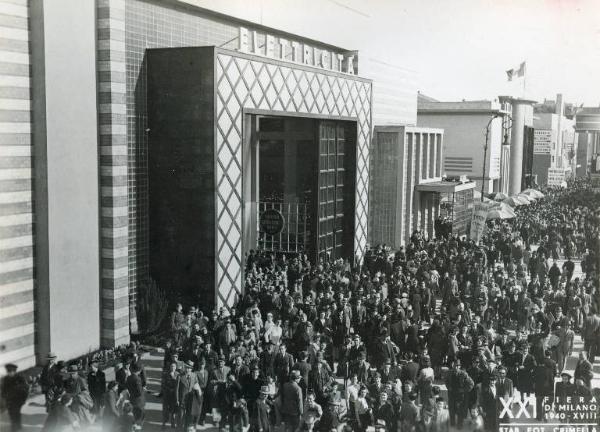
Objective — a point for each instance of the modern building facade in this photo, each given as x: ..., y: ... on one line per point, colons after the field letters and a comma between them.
x: 51, y: 280
x: 402, y: 158
x: 90, y: 142
x: 464, y: 125
x: 554, y: 146
x: 230, y: 132
x: 587, y: 125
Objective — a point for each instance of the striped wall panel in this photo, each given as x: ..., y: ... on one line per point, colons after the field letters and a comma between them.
x: 423, y: 158
x: 456, y: 164
x: 113, y: 172
x: 17, y: 304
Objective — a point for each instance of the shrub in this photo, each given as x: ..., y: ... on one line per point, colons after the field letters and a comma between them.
x: 152, y: 307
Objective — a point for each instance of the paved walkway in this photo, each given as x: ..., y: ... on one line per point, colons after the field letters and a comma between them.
x: 34, y: 413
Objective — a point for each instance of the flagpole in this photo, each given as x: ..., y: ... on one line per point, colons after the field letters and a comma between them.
x: 524, y: 79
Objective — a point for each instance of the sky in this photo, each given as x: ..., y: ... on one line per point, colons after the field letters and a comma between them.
x: 459, y: 49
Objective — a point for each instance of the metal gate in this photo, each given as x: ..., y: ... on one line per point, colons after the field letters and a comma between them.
x: 293, y: 236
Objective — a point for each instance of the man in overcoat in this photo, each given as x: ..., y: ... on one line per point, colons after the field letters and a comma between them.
x: 292, y: 406
x: 189, y: 397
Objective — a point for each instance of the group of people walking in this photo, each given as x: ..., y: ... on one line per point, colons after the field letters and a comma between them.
x: 370, y: 345
x: 330, y: 345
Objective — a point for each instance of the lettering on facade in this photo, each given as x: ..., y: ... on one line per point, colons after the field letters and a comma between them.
x: 295, y: 52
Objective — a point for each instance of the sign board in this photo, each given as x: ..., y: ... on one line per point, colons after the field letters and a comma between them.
x: 568, y: 140
x: 271, y: 222
x: 542, y: 141
x: 556, y: 176
x: 268, y: 45
x: 480, y: 211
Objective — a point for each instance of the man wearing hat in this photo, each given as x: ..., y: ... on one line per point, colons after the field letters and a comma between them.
x: 384, y: 350
x: 189, y: 397
x: 389, y: 372
x: 97, y: 384
x: 363, y: 368
x: 410, y: 370
x: 260, y: 418
x: 376, y: 389
x: 217, y: 383
x: 77, y: 386
x: 251, y: 386
x: 489, y: 403
x: 304, y: 367
x: 203, y: 375
x: 195, y: 353
x: 267, y: 359
x: 386, y: 412
x: 319, y: 378
x: 137, y: 395
x: 359, y: 315
x: 459, y: 385
x: 292, y: 406
x: 210, y: 355
x: 564, y: 388
x: 544, y: 381
x: 13, y: 395
x: 47, y: 376
x: 134, y: 359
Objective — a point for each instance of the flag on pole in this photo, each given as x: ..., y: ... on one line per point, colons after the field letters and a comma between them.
x: 516, y: 72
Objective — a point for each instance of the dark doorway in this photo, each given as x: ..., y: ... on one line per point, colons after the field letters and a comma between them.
x: 303, y: 169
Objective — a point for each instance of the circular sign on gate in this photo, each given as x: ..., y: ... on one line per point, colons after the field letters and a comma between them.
x: 271, y: 222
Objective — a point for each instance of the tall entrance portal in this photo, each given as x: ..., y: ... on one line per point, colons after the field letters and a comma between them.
x: 302, y: 186
x: 233, y: 136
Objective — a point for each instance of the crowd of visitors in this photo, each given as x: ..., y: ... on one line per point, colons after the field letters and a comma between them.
x: 330, y: 345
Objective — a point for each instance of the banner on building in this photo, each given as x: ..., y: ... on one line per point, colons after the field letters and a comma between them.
x: 480, y: 210
x: 556, y: 176
x: 542, y: 141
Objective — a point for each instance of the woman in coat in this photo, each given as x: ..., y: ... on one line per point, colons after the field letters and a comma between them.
x: 61, y: 418
x: 111, y: 411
